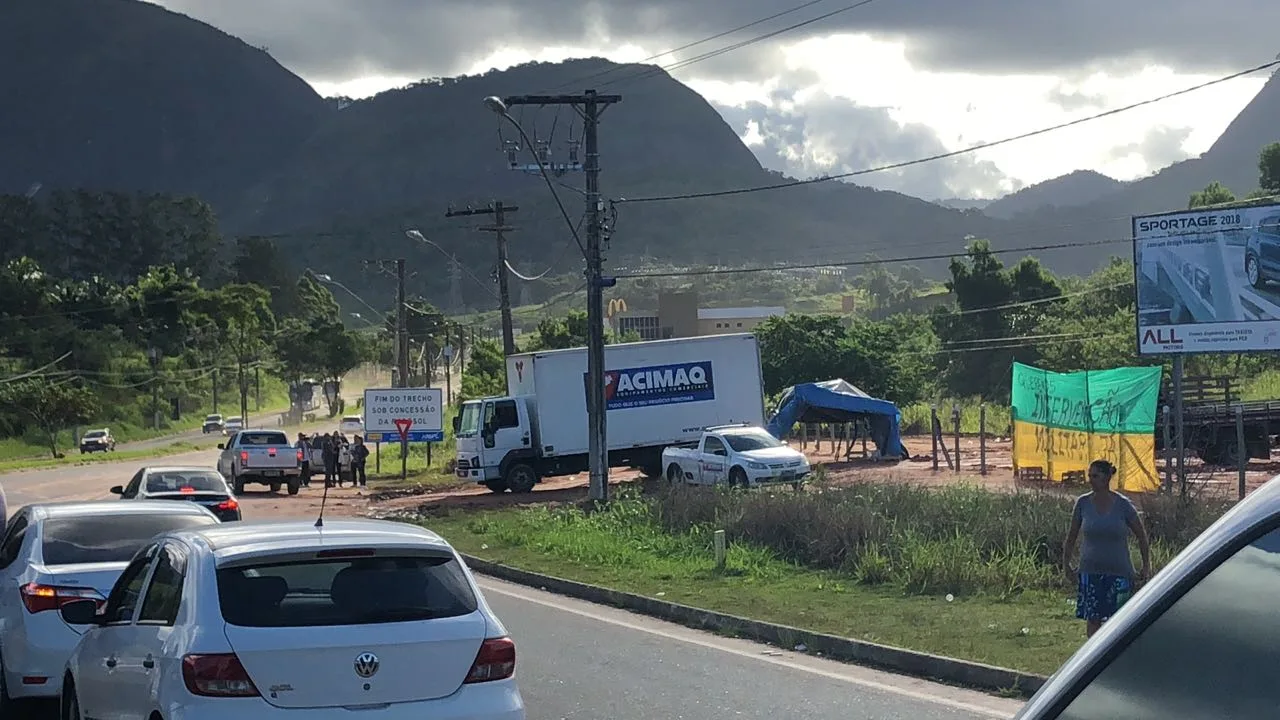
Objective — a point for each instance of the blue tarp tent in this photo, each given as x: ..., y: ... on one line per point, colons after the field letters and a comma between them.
x: 836, y: 401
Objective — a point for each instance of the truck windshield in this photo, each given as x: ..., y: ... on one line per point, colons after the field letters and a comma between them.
x: 469, y: 425
x: 748, y: 440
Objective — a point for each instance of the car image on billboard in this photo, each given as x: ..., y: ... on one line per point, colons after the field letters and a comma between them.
x: 1208, y: 280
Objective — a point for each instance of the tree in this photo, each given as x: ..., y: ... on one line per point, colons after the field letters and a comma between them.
x: 247, y: 323
x: 51, y: 408
x: 1215, y: 193
x: 1269, y: 169
x: 486, y: 372
x: 338, y: 351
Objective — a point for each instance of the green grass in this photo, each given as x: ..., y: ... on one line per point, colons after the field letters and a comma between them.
x: 1033, y: 632
x: 958, y: 571
x: 436, y: 475
x: 915, y: 417
x: 1263, y: 386
x: 75, y: 458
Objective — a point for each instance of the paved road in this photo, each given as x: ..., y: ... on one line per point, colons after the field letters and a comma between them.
x: 578, y: 660
x: 85, y: 482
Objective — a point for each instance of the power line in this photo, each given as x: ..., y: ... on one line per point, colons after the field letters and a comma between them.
x: 736, y: 46
x: 603, y: 73
x: 954, y: 153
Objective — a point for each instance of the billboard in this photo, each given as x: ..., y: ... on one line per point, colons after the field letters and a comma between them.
x: 1208, y: 280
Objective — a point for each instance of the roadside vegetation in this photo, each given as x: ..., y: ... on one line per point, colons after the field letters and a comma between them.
x: 958, y: 571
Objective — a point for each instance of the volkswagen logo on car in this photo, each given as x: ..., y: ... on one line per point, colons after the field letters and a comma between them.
x: 366, y: 664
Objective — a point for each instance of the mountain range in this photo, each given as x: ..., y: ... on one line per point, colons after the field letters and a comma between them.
x: 125, y: 95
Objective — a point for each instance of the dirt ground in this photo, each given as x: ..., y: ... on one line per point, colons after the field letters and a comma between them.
x: 841, y: 468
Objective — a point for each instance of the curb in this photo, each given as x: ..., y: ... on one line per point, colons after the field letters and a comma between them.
x: 858, y: 652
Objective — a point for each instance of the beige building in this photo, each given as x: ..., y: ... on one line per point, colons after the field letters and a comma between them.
x: 679, y: 316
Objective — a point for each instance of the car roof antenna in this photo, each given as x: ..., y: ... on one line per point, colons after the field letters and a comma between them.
x: 323, y: 498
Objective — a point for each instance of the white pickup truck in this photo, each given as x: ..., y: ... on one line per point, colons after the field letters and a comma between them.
x: 264, y: 457
x: 741, y: 455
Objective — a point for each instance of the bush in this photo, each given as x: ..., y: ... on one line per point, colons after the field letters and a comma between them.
x: 960, y: 539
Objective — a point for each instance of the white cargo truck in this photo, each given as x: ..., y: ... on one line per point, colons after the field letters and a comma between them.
x: 658, y: 394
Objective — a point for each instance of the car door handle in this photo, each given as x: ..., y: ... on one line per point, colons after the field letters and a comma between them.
x: 148, y: 663
x: 111, y: 662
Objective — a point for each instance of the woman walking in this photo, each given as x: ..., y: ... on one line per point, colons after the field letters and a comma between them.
x: 1102, y: 521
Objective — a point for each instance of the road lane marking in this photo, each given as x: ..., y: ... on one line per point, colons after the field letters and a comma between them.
x: 709, y: 642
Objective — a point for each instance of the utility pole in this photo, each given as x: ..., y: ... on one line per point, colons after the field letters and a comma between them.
x: 590, y: 105
x: 499, y: 228
x: 153, y: 353
x: 402, y: 328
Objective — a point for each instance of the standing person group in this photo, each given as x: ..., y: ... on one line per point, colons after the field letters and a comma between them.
x: 336, y: 453
x: 1101, y: 521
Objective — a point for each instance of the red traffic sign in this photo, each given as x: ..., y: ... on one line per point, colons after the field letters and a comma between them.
x: 403, y: 426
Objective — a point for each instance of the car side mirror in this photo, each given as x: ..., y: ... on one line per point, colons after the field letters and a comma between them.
x: 117, y: 490
x: 81, y: 612
x: 457, y: 423
x: 222, y: 446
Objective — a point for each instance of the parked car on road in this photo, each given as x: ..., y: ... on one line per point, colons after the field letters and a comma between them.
x: 288, y: 619
x: 213, y: 423
x: 265, y: 457
x: 55, y: 553
x: 202, y: 485
x: 740, y: 455
x: 1262, y: 252
x: 235, y: 423
x: 351, y: 425
x: 1210, y: 612
x: 97, y: 441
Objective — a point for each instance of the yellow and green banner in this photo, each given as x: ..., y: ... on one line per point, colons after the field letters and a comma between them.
x: 1064, y: 421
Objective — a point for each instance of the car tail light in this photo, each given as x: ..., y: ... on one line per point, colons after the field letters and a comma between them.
x: 39, y: 598
x: 228, y: 505
x: 217, y: 676
x: 244, y: 457
x: 299, y: 455
x: 271, y: 452
x: 495, y: 661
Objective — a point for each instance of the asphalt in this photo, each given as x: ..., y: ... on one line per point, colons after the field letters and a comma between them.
x: 576, y: 660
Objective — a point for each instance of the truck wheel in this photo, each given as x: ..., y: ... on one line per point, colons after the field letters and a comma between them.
x: 275, y: 487
x: 237, y: 484
x: 498, y: 486
x: 652, y: 470
x: 675, y: 475
x: 295, y: 484
x: 521, y: 478
x: 737, y: 478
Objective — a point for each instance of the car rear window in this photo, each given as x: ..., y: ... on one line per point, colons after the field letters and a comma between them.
x: 108, y: 538
x: 185, y: 481
x: 263, y: 438
x: 94, y: 434
x: 360, y: 591
x: 351, y: 419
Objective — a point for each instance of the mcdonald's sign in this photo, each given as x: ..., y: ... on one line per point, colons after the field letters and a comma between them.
x: 616, y: 306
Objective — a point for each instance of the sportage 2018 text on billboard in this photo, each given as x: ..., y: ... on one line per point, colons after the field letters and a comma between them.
x: 659, y: 385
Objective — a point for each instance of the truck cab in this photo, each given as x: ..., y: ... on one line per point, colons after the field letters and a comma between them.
x: 497, y: 444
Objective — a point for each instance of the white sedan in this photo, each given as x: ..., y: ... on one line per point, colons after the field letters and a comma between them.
x: 364, y: 618
x: 351, y: 425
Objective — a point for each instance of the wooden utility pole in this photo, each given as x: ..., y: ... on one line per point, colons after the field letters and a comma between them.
x: 499, y: 229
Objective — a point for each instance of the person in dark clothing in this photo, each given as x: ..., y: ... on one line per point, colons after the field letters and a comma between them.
x: 329, y: 451
x: 359, y: 453
x: 305, y: 446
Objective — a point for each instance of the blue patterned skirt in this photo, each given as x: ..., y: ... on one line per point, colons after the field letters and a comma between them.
x: 1100, y: 596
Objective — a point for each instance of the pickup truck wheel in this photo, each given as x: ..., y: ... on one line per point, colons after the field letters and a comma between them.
x: 675, y: 475
x: 498, y: 486
x: 737, y: 478
x: 521, y: 478
x: 237, y: 485
x: 295, y: 484
x: 275, y: 487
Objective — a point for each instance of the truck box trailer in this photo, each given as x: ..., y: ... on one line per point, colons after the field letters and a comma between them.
x: 658, y: 394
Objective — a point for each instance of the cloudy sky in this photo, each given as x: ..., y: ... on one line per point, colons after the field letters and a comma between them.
x: 889, y: 81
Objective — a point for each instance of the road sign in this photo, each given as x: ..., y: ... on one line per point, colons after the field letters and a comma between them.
x: 402, y: 426
x: 422, y: 408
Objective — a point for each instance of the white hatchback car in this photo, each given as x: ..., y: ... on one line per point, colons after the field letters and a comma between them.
x: 56, y: 553
x: 356, y: 619
x: 351, y: 425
